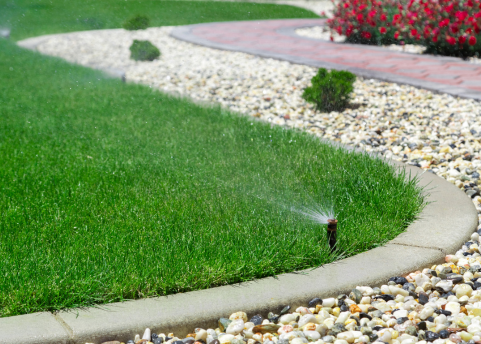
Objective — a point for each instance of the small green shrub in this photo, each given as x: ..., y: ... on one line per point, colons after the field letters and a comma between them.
x: 138, y: 22
x: 330, y: 91
x: 143, y: 51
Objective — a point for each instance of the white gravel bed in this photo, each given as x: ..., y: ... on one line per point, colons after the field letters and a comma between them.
x: 437, y: 132
x: 320, y: 32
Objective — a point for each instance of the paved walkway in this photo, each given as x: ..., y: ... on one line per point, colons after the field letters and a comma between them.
x: 277, y: 39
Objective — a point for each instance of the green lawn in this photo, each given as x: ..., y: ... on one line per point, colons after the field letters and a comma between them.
x: 28, y: 18
x: 113, y: 191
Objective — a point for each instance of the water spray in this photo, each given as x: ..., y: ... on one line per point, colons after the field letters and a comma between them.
x: 332, y: 233
x: 323, y: 216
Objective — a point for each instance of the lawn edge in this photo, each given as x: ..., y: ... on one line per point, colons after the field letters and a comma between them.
x: 443, y: 226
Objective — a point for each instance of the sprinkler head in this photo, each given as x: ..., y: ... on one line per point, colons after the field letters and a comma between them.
x: 332, y: 225
x: 331, y: 233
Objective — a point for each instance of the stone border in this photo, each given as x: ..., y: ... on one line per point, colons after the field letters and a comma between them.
x: 34, y: 42
x: 443, y: 226
x: 184, y: 33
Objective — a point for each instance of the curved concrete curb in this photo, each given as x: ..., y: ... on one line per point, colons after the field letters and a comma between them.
x: 444, y: 225
x: 277, y: 43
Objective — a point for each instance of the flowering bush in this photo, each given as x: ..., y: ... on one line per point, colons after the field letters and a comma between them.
x: 364, y: 21
x: 446, y: 27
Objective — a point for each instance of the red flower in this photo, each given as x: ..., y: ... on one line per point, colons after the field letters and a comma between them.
x: 444, y: 22
x: 472, y: 40
x: 396, y: 18
x: 451, y: 40
x: 382, y: 30
x: 435, y: 39
x: 346, y: 5
x: 366, y: 35
x: 332, y: 39
x: 396, y: 34
x: 371, y: 13
x: 469, y: 3
x: 359, y: 17
x: 454, y: 28
x: 461, y: 15
x: 383, y: 17
x: 462, y: 39
x: 414, y: 32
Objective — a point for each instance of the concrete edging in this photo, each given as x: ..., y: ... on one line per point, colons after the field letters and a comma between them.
x: 444, y: 225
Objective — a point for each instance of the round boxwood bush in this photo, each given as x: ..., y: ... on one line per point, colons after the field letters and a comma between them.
x: 143, y: 51
x: 330, y: 91
x: 138, y: 22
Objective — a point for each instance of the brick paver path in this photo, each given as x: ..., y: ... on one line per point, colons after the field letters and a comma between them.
x: 277, y: 39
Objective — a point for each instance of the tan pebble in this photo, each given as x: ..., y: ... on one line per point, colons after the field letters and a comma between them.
x: 310, y: 327
x: 201, y: 335
x: 451, y: 259
x: 286, y: 329
x: 444, y: 150
x: 238, y: 315
x: 355, y: 308
x: 267, y: 336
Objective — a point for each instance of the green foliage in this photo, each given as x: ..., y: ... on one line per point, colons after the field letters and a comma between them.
x: 143, y: 51
x: 330, y: 91
x: 138, y: 22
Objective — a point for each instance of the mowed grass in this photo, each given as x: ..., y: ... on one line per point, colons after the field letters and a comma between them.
x: 27, y: 18
x: 113, y: 191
